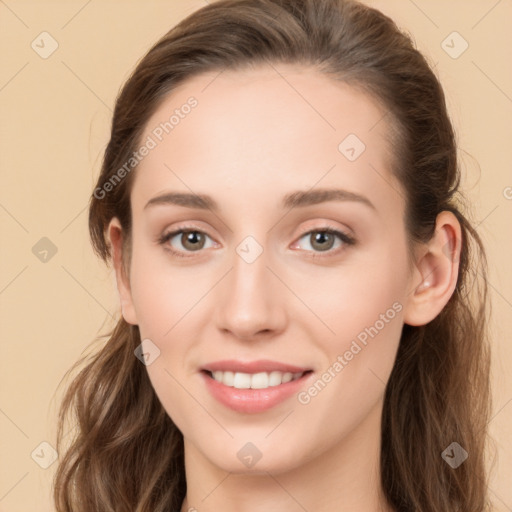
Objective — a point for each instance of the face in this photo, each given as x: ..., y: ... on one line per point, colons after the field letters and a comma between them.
x: 275, y: 276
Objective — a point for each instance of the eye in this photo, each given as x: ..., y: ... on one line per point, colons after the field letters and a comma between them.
x: 324, y: 239
x: 321, y: 240
x: 190, y: 240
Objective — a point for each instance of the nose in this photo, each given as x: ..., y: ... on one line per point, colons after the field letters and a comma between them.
x: 251, y: 300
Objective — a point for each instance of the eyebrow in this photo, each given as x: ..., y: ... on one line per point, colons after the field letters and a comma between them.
x: 293, y: 200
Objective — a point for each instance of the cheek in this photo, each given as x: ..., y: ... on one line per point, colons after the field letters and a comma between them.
x: 366, y: 317
x: 363, y: 311
x: 367, y: 292
x: 367, y: 299
x: 166, y: 302
x: 162, y: 295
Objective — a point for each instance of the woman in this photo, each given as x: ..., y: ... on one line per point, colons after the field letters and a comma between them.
x: 303, y: 300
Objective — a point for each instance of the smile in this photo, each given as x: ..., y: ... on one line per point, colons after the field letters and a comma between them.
x: 253, y: 387
x: 262, y: 380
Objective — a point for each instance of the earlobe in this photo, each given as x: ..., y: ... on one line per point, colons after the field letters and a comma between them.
x: 115, y: 236
x: 435, y: 277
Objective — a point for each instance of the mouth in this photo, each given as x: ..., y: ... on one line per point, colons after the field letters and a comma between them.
x: 253, y: 387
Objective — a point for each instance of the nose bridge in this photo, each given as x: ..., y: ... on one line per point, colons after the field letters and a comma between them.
x: 250, y: 300
x: 250, y: 272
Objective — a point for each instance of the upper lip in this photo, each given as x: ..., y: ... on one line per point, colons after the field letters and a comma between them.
x: 262, y: 365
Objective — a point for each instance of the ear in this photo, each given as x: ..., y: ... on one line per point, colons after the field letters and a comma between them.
x: 435, y: 276
x: 115, y: 235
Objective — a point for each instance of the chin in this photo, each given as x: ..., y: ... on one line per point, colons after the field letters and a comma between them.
x: 248, y: 459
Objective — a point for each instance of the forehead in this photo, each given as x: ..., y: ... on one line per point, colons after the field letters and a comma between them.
x: 263, y: 127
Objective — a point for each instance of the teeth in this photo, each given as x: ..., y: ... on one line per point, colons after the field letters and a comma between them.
x: 242, y: 381
x: 261, y: 380
x: 275, y: 378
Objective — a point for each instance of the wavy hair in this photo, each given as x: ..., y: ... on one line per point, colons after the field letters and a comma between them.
x: 127, y: 454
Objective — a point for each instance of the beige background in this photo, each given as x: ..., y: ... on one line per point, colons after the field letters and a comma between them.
x: 55, y: 116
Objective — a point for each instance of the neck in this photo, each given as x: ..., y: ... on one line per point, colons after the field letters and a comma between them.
x: 346, y: 477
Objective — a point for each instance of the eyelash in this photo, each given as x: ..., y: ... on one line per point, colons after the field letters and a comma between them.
x: 344, y: 237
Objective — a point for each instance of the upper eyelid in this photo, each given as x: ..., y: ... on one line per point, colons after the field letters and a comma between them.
x: 309, y: 230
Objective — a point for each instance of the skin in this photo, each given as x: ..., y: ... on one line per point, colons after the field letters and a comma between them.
x: 252, y: 139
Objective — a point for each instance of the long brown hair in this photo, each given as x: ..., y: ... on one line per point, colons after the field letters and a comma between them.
x: 127, y: 455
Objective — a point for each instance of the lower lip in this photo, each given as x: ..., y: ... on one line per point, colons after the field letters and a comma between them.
x: 253, y: 400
